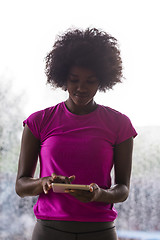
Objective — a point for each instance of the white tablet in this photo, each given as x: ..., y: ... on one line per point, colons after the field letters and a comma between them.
x: 62, y: 187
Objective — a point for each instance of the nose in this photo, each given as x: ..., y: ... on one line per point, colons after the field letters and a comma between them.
x: 81, y: 87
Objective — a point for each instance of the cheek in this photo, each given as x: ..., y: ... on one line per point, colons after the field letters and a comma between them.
x: 94, y: 91
x: 71, y: 87
x: 71, y: 90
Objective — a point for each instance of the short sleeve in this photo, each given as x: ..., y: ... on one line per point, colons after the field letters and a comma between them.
x: 125, y: 129
x: 34, y: 123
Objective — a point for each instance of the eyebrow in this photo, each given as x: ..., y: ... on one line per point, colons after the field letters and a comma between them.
x: 74, y: 75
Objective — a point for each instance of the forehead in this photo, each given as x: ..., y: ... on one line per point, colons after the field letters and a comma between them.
x: 81, y: 71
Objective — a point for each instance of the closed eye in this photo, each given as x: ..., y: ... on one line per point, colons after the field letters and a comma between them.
x: 92, y: 82
x: 73, y: 80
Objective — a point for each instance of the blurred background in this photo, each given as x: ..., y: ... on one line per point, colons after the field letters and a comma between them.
x: 28, y: 31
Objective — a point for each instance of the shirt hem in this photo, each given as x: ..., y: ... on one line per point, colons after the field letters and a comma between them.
x: 75, y: 220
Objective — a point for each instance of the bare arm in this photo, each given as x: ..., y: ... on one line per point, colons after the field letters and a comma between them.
x: 122, y: 166
x: 26, y: 184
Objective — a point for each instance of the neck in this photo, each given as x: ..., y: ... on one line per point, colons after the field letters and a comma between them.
x: 80, y: 109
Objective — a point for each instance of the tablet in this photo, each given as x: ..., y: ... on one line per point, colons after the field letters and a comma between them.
x: 62, y: 187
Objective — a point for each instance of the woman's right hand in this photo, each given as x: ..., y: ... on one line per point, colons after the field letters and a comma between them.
x: 47, y: 181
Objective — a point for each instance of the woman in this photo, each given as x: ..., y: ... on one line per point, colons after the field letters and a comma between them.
x: 78, y: 141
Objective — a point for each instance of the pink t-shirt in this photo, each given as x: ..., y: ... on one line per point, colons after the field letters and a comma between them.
x: 80, y: 145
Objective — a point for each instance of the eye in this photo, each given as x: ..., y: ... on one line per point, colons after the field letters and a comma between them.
x: 73, y: 80
x: 92, y: 81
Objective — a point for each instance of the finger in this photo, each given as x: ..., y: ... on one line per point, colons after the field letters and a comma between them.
x: 72, y: 178
x: 45, y: 190
x: 49, y: 185
x: 67, y: 191
x: 67, y: 180
x: 54, y: 176
x: 72, y: 191
x: 91, y: 187
x: 81, y: 197
x: 94, y: 186
x: 61, y: 179
x: 58, y: 178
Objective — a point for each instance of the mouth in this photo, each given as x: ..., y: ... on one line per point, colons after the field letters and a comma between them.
x: 81, y: 95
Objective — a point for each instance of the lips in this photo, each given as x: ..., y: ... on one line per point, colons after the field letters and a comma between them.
x: 81, y: 95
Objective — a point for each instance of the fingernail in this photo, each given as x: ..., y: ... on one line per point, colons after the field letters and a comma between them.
x: 66, y: 191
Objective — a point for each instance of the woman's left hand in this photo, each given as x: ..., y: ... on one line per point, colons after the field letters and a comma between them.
x: 87, y: 196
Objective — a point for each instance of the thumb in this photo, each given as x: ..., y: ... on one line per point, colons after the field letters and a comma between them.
x: 72, y: 178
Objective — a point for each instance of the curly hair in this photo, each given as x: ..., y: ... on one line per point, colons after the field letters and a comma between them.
x: 92, y: 49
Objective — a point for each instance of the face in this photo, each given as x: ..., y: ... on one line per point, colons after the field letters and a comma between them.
x: 82, y: 85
